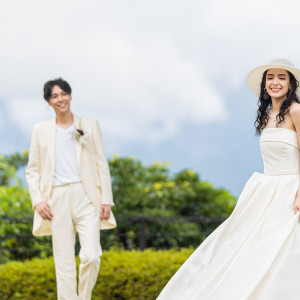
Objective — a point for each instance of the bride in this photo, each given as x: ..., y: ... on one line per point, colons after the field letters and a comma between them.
x: 255, y: 253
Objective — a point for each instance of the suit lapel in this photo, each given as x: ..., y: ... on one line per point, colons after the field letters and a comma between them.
x: 78, y: 145
x: 51, y: 134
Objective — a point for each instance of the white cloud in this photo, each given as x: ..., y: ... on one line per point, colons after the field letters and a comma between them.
x: 145, y: 69
x: 2, y: 122
x: 25, y: 111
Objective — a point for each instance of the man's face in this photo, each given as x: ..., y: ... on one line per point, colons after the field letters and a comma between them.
x: 60, y: 100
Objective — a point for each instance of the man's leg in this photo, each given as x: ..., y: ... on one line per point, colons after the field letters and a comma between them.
x: 86, y: 218
x: 63, y: 243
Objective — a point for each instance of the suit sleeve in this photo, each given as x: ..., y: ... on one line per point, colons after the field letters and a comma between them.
x: 102, y: 167
x: 33, y: 169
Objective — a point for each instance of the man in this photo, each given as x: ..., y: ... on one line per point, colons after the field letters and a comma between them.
x: 70, y: 187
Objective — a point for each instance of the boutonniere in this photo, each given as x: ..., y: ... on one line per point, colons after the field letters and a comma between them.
x: 79, y: 134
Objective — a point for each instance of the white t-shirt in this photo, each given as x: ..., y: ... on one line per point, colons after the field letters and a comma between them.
x: 66, y: 165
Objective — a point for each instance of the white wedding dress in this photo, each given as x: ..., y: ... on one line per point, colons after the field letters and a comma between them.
x: 255, y: 253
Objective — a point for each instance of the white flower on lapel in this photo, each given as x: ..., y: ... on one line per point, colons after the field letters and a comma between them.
x: 79, y: 134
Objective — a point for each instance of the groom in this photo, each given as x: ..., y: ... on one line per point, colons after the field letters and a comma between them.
x: 69, y: 183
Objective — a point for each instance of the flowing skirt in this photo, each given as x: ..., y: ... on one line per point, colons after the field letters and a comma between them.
x: 254, y: 254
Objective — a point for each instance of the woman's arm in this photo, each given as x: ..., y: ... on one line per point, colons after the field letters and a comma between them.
x: 295, y: 116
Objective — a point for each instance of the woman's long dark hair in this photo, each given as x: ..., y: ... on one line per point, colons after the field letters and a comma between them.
x: 264, y: 105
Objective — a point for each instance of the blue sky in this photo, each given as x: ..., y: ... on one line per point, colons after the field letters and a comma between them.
x: 165, y: 79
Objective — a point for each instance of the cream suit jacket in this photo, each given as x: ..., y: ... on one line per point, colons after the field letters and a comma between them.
x: 92, y: 164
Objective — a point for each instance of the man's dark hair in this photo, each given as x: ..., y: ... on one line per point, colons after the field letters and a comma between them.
x: 48, y: 86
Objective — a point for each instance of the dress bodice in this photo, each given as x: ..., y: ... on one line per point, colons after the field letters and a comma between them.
x: 280, y: 151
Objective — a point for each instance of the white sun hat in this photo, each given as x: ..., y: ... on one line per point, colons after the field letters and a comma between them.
x: 254, y: 78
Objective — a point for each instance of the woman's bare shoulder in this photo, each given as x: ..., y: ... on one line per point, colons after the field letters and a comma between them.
x: 295, y: 109
x: 295, y: 115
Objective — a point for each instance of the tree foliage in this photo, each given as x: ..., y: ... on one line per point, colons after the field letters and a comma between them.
x: 9, y: 165
x: 15, y: 203
x: 152, y: 191
x: 139, y: 190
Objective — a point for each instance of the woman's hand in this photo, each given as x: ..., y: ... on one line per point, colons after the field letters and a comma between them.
x: 297, y: 202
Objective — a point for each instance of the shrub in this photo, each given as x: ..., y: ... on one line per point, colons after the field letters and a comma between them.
x: 123, y: 275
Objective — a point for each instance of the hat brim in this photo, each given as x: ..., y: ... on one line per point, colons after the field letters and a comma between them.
x: 255, y: 76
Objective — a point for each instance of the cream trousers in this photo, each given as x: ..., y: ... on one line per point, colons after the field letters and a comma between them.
x: 73, y: 212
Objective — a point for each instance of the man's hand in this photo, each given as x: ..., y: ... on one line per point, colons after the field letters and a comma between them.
x: 105, y: 211
x: 44, y: 211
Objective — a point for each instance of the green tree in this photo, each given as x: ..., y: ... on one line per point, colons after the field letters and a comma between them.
x: 15, y: 203
x: 139, y: 190
x: 152, y: 191
x: 9, y: 164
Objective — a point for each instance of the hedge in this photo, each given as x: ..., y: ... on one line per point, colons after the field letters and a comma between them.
x: 123, y: 275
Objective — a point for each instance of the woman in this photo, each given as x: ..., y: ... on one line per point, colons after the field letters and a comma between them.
x: 255, y: 253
